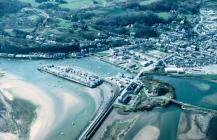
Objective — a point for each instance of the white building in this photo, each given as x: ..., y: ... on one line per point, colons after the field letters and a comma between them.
x: 174, y: 70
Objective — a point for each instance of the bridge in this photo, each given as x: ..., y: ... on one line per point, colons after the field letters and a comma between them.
x: 190, y: 107
x: 100, y: 117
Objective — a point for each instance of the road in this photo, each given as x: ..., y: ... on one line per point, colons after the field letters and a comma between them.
x: 43, y: 14
x: 98, y: 120
x: 132, y: 81
x: 199, y: 23
x: 101, y: 116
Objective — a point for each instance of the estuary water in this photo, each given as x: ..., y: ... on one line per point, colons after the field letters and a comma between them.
x: 197, y: 92
x: 66, y: 126
x: 194, y: 91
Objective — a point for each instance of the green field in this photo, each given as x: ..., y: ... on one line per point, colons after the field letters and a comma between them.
x: 77, y: 4
x: 164, y: 15
x: 32, y: 2
x: 81, y: 4
x: 147, y: 2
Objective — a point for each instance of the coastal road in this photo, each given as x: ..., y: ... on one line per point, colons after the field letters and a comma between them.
x: 132, y: 81
x: 98, y: 120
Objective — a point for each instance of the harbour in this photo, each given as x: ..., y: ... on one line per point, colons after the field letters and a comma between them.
x: 87, y: 101
x: 74, y: 125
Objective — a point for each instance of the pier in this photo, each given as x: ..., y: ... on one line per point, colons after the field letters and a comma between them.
x: 74, y: 74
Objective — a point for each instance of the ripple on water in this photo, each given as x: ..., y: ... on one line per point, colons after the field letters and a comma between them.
x: 210, y: 99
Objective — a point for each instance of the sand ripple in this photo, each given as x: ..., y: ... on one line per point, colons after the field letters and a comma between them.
x: 148, y: 133
x: 46, y: 109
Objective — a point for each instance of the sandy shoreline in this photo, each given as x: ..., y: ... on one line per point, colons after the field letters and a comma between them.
x: 148, y: 132
x: 113, y: 116
x: 48, y: 117
x: 101, y: 94
x: 8, y: 136
x: 45, y: 121
x: 29, y: 92
x: 188, y: 128
x: 96, y: 94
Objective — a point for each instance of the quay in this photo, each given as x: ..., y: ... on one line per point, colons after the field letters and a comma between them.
x: 34, y: 56
x: 74, y: 74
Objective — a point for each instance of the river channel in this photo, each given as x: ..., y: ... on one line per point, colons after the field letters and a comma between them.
x: 194, y: 91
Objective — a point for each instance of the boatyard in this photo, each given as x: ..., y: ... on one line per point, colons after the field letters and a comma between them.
x: 74, y: 74
x: 108, y: 70
x: 72, y: 106
x: 127, y: 84
x: 138, y: 94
